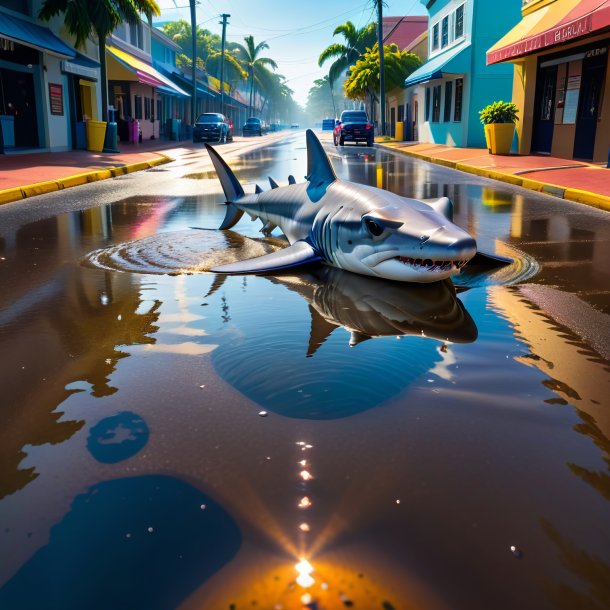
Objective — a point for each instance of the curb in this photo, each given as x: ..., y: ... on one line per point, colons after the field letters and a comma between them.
x: 601, y: 202
x: 40, y: 188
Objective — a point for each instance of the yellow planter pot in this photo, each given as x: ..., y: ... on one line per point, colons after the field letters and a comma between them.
x: 96, y: 132
x: 499, y: 137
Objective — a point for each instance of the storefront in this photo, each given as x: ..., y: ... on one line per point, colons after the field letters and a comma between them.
x: 34, y: 106
x: 137, y: 92
x: 560, y: 56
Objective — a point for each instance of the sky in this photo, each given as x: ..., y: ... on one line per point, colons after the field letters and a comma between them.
x: 297, y: 31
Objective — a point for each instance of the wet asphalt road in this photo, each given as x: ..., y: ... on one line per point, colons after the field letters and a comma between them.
x: 469, y: 473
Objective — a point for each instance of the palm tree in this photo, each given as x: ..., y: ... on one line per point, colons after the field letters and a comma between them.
x: 255, y: 66
x: 346, y: 55
x: 84, y: 18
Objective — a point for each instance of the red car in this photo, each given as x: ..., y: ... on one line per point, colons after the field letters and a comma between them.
x: 354, y: 126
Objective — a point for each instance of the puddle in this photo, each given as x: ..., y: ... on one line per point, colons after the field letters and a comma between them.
x: 180, y: 252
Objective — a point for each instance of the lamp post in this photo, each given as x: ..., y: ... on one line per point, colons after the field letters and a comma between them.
x: 194, y: 37
x: 381, y: 66
x: 224, y: 16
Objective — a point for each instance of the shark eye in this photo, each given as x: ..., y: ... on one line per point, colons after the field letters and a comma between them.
x: 373, y: 226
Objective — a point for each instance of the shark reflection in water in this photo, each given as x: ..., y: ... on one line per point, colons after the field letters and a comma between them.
x: 335, y: 381
x: 370, y: 308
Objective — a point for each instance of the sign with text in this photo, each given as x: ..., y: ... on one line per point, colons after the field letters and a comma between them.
x: 56, y: 99
x: 561, y: 33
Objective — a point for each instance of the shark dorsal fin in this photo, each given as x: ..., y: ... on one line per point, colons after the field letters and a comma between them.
x: 291, y: 179
x: 319, y: 168
x: 443, y: 206
x: 273, y: 183
x: 258, y: 189
x: 320, y: 331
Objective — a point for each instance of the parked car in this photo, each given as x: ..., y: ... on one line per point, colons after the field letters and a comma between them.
x: 253, y: 126
x: 294, y: 126
x: 354, y: 126
x: 212, y: 126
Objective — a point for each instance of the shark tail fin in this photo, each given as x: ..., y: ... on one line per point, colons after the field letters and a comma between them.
x: 231, y: 187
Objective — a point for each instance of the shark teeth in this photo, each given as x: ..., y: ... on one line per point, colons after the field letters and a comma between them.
x: 430, y: 265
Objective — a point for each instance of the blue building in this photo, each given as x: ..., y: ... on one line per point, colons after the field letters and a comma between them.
x: 447, y: 92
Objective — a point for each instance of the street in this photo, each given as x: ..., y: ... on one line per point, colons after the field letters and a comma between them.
x: 462, y: 466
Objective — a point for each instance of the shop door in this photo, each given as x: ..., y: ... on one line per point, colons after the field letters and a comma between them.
x: 392, y: 122
x: 544, y: 110
x: 588, y: 108
x: 415, y: 132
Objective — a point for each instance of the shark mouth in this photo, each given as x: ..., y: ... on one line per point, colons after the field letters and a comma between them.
x: 430, y: 265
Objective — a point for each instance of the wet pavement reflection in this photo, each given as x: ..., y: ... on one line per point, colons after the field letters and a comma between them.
x: 171, y: 439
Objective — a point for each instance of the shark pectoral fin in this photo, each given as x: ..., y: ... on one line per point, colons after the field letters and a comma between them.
x: 320, y: 331
x: 299, y: 253
x: 480, y: 259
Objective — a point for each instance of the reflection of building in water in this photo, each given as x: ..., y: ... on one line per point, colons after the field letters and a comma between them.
x: 572, y: 250
x: 61, y: 324
x: 575, y: 373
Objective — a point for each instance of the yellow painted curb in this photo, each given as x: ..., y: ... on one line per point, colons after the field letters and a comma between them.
x: 77, y: 180
x: 40, y: 188
x: 10, y: 195
x: 599, y: 201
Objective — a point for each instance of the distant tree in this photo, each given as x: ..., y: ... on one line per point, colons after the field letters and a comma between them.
x: 100, y: 18
x: 319, y: 100
x: 256, y: 66
x: 363, y: 80
x: 347, y: 54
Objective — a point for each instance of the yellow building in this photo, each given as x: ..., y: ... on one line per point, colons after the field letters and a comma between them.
x: 560, y: 54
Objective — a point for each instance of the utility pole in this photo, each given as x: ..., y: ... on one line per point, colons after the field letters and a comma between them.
x: 194, y: 37
x: 224, y: 16
x: 381, y: 66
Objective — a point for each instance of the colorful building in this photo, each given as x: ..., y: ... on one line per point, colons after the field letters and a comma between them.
x: 559, y: 51
x: 409, y: 34
x: 448, y: 91
x: 137, y: 90
x: 47, y: 88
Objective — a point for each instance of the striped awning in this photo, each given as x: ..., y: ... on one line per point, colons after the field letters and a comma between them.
x: 554, y: 24
x: 144, y: 72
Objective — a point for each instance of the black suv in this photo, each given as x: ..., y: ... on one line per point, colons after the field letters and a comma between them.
x: 253, y: 126
x: 354, y: 126
x: 212, y: 126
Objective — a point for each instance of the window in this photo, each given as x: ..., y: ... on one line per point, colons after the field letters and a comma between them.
x: 427, y: 106
x: 435, y: 37
x: 448, y: 100
x: 459, y: 22
x: 147, y: 108
x: 459, y: 91
x: 159, y: 107
x: 436, y: 104
x: 445, y: 32
x: 138, y: 106
x: 136, y: 35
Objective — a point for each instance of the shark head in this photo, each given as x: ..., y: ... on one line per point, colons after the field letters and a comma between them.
x: 395, y: 238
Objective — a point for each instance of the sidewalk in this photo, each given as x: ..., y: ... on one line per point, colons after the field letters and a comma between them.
x: 574, y: 180
x: 23, y: 176
x: 30, y: 174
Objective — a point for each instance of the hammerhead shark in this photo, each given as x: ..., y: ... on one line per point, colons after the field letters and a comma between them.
x: 351, y: 226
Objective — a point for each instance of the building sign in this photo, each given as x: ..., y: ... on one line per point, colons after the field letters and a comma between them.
x: 562, y: 33
x: 6, y: 44
x: 56, y: 99
x: 67, y: 67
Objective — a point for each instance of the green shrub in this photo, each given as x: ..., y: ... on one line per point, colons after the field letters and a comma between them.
x: 499, y: 112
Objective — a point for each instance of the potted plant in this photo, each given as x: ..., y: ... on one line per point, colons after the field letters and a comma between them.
x: 499, y: 121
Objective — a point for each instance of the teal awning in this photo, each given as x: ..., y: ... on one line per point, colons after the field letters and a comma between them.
x: 184, y: 82
x: 29, y: 34
x: 452, y: 61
